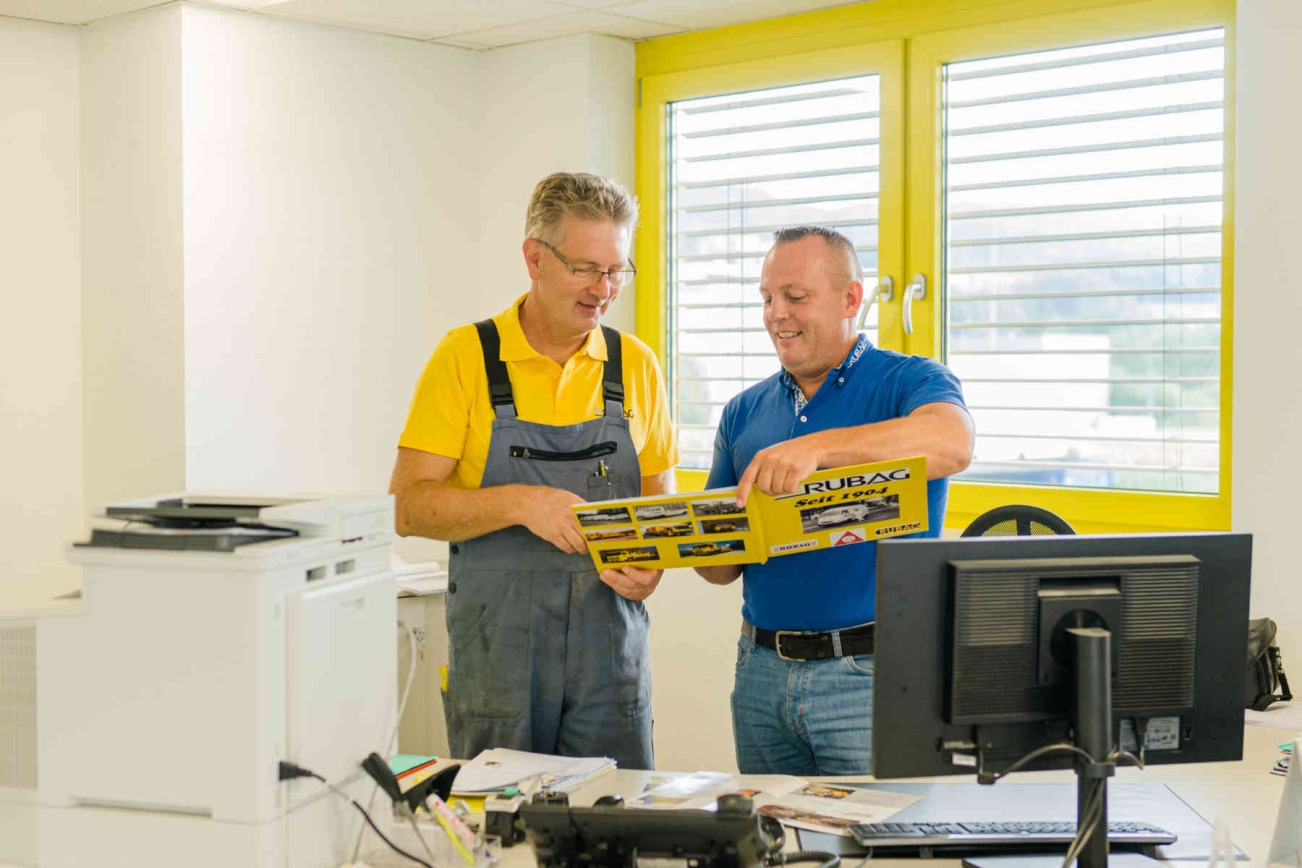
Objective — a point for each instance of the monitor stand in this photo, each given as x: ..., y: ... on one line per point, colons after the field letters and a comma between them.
x: 1093, y: 666
x: 1093, y: 673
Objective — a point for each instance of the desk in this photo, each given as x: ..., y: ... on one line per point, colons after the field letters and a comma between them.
x: 1244, y: 794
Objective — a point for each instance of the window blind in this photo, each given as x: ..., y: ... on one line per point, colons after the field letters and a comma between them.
x: 741, y: 166
x: 1082, y: 261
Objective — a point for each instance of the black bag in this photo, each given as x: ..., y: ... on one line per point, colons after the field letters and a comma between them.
x: 1265, y: 671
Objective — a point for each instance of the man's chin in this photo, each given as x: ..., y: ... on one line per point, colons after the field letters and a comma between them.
x: 587, y: 319
x: 788, y: 358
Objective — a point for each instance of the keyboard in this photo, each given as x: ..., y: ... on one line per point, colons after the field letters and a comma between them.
x: 1000, y: 834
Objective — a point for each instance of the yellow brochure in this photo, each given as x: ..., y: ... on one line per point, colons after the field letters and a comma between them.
x: 835, y: 507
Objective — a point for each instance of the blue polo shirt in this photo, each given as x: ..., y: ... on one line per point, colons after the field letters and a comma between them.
x: 830, y: 588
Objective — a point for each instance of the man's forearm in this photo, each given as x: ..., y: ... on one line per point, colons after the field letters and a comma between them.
x: 445, y: 512
x: 724, y: 575
x: 946, y: 443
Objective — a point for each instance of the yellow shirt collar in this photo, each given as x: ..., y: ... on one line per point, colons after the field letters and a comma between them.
x: 516, y: 347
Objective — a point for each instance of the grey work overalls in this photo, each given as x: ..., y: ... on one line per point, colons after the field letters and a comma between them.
x: 544, y: 656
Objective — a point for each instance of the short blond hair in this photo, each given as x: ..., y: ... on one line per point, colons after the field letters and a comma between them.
x: 578, y: 195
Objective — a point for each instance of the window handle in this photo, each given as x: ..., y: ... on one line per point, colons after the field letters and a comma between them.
x: 882, y: 292
x: 916, y: 289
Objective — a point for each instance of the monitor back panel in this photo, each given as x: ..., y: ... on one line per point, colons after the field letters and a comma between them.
x: 914, y: 650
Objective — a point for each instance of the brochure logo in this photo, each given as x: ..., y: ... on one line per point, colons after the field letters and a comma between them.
x: 827, y: 486
x: 793, y: 546
x: 849, y: 537
x: 899, y: 528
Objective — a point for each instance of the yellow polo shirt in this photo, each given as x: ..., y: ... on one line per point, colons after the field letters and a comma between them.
x: 452, y: 416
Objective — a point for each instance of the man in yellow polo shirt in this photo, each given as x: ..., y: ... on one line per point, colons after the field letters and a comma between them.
x: 515, y: 419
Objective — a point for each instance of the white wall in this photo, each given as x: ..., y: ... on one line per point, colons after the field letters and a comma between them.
x: 1268, y: 307
x: 555, y: 105
x: 694, y: 629
x: 40, y: 283
x: 330, y: 189
x: 131, y: 229
x: 612, y: 105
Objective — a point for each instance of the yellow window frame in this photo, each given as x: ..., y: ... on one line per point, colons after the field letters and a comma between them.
x: 820, y: 46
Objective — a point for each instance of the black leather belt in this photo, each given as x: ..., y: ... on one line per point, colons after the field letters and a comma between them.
x: 795, y: 645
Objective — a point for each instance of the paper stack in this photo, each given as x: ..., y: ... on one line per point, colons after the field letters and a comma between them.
x: 498, y: 768
x: 417, y: 580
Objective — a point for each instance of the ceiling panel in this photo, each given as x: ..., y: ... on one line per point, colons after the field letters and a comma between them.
x: 460, y: 42
x: 465, y: 23
x: 69, y: 11
x: 696, y: 14
x: 567, y: 24
x: 595, y: 4
x: 420, y: 19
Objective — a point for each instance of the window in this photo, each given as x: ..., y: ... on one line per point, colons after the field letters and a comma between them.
x: 742, y: 166
x: 1082, y: 205
x: 1055, y: 173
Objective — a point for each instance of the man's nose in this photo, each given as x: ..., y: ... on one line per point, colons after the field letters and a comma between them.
x: 603, y: 288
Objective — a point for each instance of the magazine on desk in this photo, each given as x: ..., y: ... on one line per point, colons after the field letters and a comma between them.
x: 792, y: 801
x: 835, y: 507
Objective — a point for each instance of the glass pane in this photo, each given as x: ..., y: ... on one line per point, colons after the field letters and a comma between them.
x: 741, y: 166
x: 1082, y: 261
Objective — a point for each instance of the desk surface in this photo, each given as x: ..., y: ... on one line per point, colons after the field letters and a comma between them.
x: 1243, y: 794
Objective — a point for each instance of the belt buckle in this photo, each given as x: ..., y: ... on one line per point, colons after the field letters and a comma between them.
x: 777, y: 645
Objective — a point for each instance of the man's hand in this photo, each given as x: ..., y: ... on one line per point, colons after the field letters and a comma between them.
x: 632, y: 583
x: 781, y: 468
x: 546, y: 513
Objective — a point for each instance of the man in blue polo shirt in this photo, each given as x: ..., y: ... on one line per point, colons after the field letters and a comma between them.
x: 802, y: 701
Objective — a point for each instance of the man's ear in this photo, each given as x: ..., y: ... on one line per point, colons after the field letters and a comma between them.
x: 853, y: 299
x: 533, y: 251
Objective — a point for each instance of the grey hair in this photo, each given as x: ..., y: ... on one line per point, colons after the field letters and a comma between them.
x: 831, y: 236
x: 580, y: 196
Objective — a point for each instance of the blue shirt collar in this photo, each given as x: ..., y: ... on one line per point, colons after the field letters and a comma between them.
x: 836, y: 374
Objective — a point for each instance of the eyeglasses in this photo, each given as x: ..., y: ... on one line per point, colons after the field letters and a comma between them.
x: 588, y: 276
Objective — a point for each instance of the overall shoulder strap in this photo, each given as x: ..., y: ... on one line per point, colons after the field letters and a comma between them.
x: 499, y: 382
x: 613, y: 379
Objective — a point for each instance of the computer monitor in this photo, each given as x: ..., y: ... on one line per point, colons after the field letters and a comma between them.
x: 972, y: 647
x: 995, y: 654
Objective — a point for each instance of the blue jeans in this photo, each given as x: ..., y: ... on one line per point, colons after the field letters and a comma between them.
x: 802, y: 718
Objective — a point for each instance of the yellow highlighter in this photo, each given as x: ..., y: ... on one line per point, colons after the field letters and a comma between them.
x: 463, y: 840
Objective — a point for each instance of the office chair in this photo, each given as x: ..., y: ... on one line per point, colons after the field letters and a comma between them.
x: 1018, y: 519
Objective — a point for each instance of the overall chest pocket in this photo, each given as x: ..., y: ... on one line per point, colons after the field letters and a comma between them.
x: 597, y: 450
x: 588, y: 473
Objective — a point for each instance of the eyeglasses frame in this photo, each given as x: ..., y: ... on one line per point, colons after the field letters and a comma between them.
x: 624, y: 274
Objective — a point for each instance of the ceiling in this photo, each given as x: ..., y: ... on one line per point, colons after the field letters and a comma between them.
x: 475, y: 24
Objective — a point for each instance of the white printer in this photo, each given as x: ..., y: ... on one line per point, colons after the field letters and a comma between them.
x: 215, y: 637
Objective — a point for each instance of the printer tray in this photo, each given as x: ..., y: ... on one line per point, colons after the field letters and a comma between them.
x: 224, y: 539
